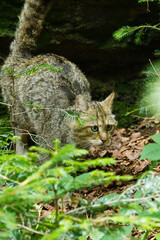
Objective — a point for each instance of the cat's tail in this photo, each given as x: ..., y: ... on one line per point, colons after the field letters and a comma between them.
x: 29, y: 28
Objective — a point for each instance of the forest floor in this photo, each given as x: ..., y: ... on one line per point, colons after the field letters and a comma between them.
x: 126, y: 148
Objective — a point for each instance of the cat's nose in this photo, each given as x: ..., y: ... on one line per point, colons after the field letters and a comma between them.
x: 104, y: 139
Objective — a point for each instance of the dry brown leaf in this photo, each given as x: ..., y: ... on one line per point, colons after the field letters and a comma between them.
x: 124, y: 139
x: 45, y: 213
x: 140, y: 165
x: 122, y: 149
x: 132, y: 144
x: 116, y: 154
x: 141, y: 144
x: 102, y: 153
x: 135, y: 135
x: 122, y: 131
x: 142, y: 124
x: 131, y: 155
x: 116, y: 145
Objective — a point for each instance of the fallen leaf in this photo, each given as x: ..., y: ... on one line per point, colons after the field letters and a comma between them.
x: 124, y: 139
x: 135, y: 135
x: 45, y: 213
x: 102, y: 153
x: 116, y: 154
x: 122, y: 131
x: 124, y: 148
x: 132, y: 155
x: 140, y: 165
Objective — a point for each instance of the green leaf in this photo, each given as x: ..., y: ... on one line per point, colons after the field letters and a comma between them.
x: 66, y: 185
x: 2, y: 181
x: 96, y: 234
x: 156, y: 138
x: 9, y: 219
x: 138, y: 194
x: 118, y: 234
x: 83, y: 238
x: 158, y: 236
x: 151, y: 152
x: 107, y: 199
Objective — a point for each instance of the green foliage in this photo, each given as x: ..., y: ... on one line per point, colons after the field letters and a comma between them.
x: 158, y: 236
x: 139, y: 204
x: 152, y: 150
x: 150, y: 100
x: 138, y: 207
x: 141, y: 1
x: 119, y: 233
x: 77, y: 116
x: 124, y: 31
x: 24, y: 184
x: 74, y: 115
x: 6, y: 137
x: 25, y: 187
x: 32, y: 70
x: 35, y: 69
x: 138, y: 31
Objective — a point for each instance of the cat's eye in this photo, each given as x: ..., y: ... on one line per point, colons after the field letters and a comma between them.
x: 109, y: 128
x: 94, y: 128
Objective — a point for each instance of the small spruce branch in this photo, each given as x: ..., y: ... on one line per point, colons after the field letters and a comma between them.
x: 127, y: 30
x: 29, y: 71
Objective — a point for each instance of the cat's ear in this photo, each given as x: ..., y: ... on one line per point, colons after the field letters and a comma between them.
x: 81, y: 103
x: 107, y: 103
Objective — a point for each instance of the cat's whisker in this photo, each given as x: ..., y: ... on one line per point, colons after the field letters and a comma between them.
x: 84, y: 144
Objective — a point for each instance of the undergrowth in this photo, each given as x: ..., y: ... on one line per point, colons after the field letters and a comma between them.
x: 25, y: 187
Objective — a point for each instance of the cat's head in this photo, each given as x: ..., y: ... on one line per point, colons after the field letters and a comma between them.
x: 95, y: 124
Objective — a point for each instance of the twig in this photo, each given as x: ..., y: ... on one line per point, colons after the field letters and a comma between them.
x: 30, y: 229
x: 30, y: 134
x: 148, y: 10
x: 56, y: 207
x: 154, y: 68
x: 8, y: 179
x: 7, y: 104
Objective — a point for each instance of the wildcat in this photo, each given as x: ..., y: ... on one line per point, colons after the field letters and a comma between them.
x: 38, y: 101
